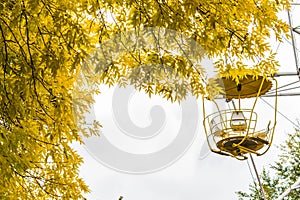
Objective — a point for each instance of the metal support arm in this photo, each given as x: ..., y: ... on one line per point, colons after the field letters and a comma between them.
x: 292, y: 187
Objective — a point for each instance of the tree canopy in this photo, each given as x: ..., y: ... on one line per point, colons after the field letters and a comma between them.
x: 229, y: 31
x: 44, y: 49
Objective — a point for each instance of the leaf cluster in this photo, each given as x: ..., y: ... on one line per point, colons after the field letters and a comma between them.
x: 42, y: 44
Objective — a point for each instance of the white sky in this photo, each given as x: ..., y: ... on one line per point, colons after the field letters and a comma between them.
x: 214, y: 177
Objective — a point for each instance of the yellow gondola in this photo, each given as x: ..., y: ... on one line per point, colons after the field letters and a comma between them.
x: 234, y: 132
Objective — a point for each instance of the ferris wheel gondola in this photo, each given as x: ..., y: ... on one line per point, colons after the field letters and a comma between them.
x: 234, y: 132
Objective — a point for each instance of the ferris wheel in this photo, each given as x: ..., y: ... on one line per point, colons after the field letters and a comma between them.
x: 238, y: 130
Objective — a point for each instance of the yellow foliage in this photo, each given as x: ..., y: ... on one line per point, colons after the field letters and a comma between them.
x: 42, y: 44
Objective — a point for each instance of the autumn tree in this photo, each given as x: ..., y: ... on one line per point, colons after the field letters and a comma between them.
x: 281, y: 175
x: 42, y: 44
x: 50, y: 52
